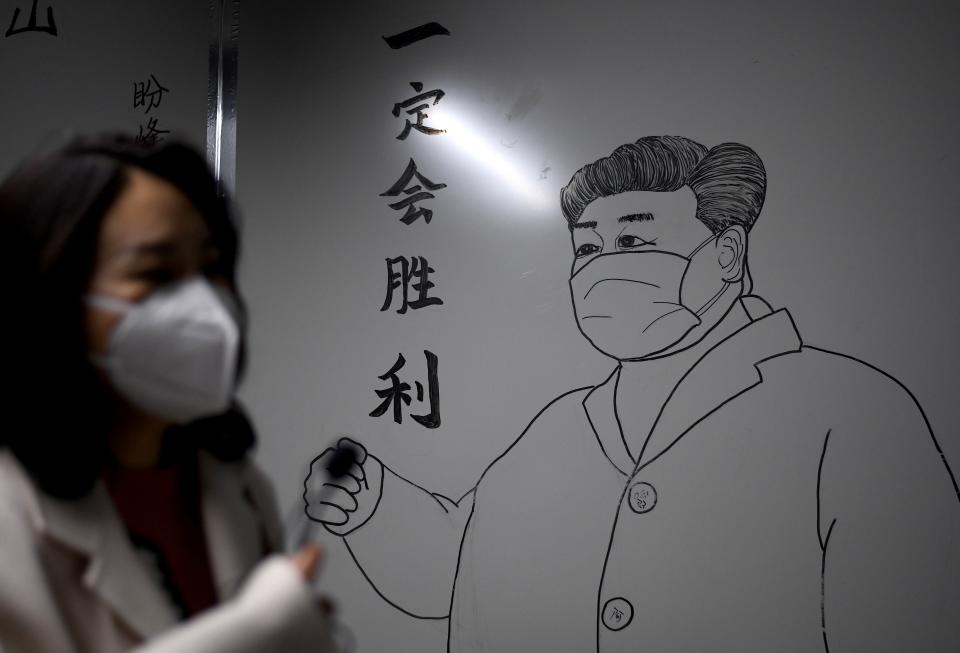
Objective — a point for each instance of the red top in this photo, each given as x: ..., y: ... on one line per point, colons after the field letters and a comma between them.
x: 162, y: 512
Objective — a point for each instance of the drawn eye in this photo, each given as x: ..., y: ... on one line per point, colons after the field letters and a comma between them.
x: 629, y: 242
x: 587, y: 249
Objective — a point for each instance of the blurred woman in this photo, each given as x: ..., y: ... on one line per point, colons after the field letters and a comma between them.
x: 131, y: 516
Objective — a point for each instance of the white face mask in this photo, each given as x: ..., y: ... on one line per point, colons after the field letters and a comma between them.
x: 630, y: 305
x: 174, y: 354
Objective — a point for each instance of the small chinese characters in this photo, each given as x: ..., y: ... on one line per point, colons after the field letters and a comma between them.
x: 32, y: 25
x: 148, y: 95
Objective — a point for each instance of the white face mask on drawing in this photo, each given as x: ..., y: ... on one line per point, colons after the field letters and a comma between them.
x: 630, y: 305
x: 174, y: 354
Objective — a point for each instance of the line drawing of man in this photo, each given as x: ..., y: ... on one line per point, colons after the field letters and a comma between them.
x: 727, y: 488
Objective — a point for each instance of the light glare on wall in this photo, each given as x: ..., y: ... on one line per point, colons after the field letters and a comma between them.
x: 491, y: 155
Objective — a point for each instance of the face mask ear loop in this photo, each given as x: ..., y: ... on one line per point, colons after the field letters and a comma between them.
x: 726, y: 284
x: 713, y: 300
x: 701, y: 246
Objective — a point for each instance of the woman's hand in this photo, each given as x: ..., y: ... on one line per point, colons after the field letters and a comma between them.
x: 308, y: 561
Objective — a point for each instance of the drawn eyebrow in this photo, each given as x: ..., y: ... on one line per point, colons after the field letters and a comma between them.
x: 636, y: 217
x: 592, y: 224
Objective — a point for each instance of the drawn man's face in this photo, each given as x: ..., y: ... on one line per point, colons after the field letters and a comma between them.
x: 645, y: 269
x: 638, y: 221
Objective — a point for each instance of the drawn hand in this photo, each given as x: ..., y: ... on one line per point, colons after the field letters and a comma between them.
x: 344, y: 504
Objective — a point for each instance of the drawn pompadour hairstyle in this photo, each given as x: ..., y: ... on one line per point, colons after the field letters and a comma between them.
x: 728, y: 180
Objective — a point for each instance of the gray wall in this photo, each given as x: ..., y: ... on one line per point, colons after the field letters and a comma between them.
x: 851, y: 106
x: 82, y: 79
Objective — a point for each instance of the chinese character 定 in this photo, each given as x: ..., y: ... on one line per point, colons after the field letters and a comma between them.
x: 32, y: 26
x: 148, y: 93
x: 415, y: 193
x: 152, y: 135
x: 413, y: 269
x: 413, y: 107
x: 398, y: 393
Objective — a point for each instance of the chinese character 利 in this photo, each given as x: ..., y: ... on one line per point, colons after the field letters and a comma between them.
x: 397, y: 394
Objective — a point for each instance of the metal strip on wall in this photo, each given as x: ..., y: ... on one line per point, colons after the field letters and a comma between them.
x: 222, y: 93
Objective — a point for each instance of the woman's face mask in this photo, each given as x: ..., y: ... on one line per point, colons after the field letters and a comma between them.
x: 629, y: 305
x: 174, y: 354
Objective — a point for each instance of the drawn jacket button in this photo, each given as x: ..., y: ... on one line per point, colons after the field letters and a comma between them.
x: 642, y: 497
x: 617, y: 613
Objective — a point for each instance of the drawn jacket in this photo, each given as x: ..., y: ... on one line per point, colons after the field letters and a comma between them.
x: 787, y: 499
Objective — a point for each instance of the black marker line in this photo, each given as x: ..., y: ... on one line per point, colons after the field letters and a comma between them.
x: 411, y: 36
x: 595, y: 283
x: 823, y: 547
x: 683, y: 378
x: 823, y: 455
x: 456, y: 573
x: 377, y: 590
x: 606, y: 559
x: 532, y: 422
x: 596, y: 433
x: 733, y: 397
x: 682, y: 308
x: 433, y: 495
x: 436, y: 498
x: 916, y: 403
x: 823, y: 585
x: 616, y: 416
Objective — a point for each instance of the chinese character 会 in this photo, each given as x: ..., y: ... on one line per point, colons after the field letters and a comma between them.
x: 415, y: 193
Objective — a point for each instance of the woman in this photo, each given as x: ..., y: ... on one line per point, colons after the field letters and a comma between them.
x: 130, y: 513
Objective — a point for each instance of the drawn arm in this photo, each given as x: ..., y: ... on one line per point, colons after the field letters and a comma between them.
x: 889, y: 527
x: 404, y: 539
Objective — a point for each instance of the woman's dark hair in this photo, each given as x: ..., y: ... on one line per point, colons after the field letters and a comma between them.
x: 51, y: 208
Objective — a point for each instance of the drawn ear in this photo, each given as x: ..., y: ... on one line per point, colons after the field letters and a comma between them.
x: 732, y: 253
